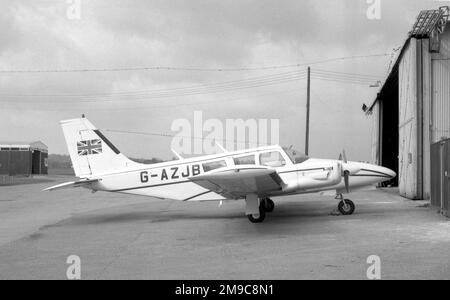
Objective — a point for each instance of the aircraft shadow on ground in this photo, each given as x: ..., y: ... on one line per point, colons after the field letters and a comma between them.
x: 284, y: 212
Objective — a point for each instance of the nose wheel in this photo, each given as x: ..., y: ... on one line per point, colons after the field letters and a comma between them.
x: 346, y: 206
x: 266, y: 205
x: 257, y: 218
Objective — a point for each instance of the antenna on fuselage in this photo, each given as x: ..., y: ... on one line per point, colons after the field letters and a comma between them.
x: 221, y: 148
x: 177, y: 154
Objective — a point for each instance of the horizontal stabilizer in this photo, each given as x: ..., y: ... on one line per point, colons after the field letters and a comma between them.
x: 71, y: 184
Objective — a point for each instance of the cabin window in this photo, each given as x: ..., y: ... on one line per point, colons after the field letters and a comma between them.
x: 272, y: 159
x: 295, y: 156
x: 214, y: 165
x: 245, y: 160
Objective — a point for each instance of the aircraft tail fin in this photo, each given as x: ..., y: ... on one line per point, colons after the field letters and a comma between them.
x: 90, y: 151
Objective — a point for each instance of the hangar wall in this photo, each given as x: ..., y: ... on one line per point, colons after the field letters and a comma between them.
x: 14, y: 163
x: 424, y: 110
x: 408, y: 124
x: 440, y: 168
x: 440, y: 128
x: 426, y: 70
x: 24, y: 159
x: 375, y: 119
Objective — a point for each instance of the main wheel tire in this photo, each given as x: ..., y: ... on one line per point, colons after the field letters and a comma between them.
x: 268, y: 205
x: 346, y: 207
x: 260, y: 218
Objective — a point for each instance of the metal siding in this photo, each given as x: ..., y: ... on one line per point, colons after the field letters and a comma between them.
x: 426, y: 69
x: 20, y: 163
x: 441, y: 101
x: 4, y: 162
x: 441, y: 90
x: 446, y: 178
x: 44, y: 163
x: 440, y: 172
x: 375, y: 159
x: 419, y: 114
x: 436, y: 175
x: 408, y: 122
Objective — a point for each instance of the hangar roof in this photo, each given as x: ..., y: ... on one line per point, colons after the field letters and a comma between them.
x: 428, y: 20
x: 37, y: 145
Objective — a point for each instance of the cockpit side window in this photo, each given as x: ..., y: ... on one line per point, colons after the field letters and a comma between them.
x: 295, y: 156
x: 272, y: 159
x: 214, y: 165
x: 245, y: 160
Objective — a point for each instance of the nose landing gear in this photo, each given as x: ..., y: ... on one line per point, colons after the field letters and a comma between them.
x: 346, y: 206
x: 257, y: 218
x: 266, y: 205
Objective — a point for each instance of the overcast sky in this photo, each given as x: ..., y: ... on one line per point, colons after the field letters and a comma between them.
x: 207, y: 34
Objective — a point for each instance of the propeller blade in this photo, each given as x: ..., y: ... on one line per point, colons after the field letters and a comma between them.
x: 346, y: 180
x: 344, y: 156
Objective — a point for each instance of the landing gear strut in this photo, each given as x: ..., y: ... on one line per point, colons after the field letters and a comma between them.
x: 346, y: 206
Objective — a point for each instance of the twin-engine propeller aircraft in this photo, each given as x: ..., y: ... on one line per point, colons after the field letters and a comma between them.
x: 253, y: 175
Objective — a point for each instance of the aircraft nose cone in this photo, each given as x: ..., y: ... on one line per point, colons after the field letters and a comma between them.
x: 389, y: 172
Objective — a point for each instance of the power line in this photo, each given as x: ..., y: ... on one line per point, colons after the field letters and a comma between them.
x: 171, y: 94
x: 217, y: 87
x: 345, y: 77
x: 148, y: 98
x: 152, y: 106
x: 168, y: 135
x: 343, y: 80
x: 352, y: 75
x: 195, y: 69
x: 257, y: 79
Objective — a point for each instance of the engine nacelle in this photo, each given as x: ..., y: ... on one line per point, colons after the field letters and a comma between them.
x: 328, y: 177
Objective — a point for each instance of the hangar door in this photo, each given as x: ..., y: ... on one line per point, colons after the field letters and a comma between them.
x: 409, y: 158
x: 440, y: 128
x: 440, y: 176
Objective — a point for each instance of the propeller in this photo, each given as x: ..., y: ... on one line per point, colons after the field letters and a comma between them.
x: 344, y: 156
x: 345, y: 172
x: 346, y: 180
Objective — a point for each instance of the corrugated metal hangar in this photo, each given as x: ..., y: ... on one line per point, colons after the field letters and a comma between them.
x: 411, y: 114
x: 19, y: 158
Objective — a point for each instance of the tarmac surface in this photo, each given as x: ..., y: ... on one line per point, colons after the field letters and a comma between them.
x: 129, y: 237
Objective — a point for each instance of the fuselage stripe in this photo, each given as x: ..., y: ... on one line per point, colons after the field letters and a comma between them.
x: 304, y: 170
x: 378, y: 172
x: 195, y: 196
x: 149, y: 186
x: 370, y: 175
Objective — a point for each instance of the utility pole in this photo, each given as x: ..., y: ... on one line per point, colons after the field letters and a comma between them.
x: 308, y: 99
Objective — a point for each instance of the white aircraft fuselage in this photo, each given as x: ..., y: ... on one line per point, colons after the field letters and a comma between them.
x: 171, y: 180
x: 254, y: 175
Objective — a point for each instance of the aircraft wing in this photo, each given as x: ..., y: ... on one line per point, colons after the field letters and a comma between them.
x: 72, y: 184
x: 239, y: 181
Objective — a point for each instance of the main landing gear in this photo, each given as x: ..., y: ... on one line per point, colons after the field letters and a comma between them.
x: 266, y: 205
x: 346, y: 206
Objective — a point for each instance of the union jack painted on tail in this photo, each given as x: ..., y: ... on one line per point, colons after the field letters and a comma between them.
x: 89, y: 147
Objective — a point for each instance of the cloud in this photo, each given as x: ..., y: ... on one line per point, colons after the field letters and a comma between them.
x: 133, y: 33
